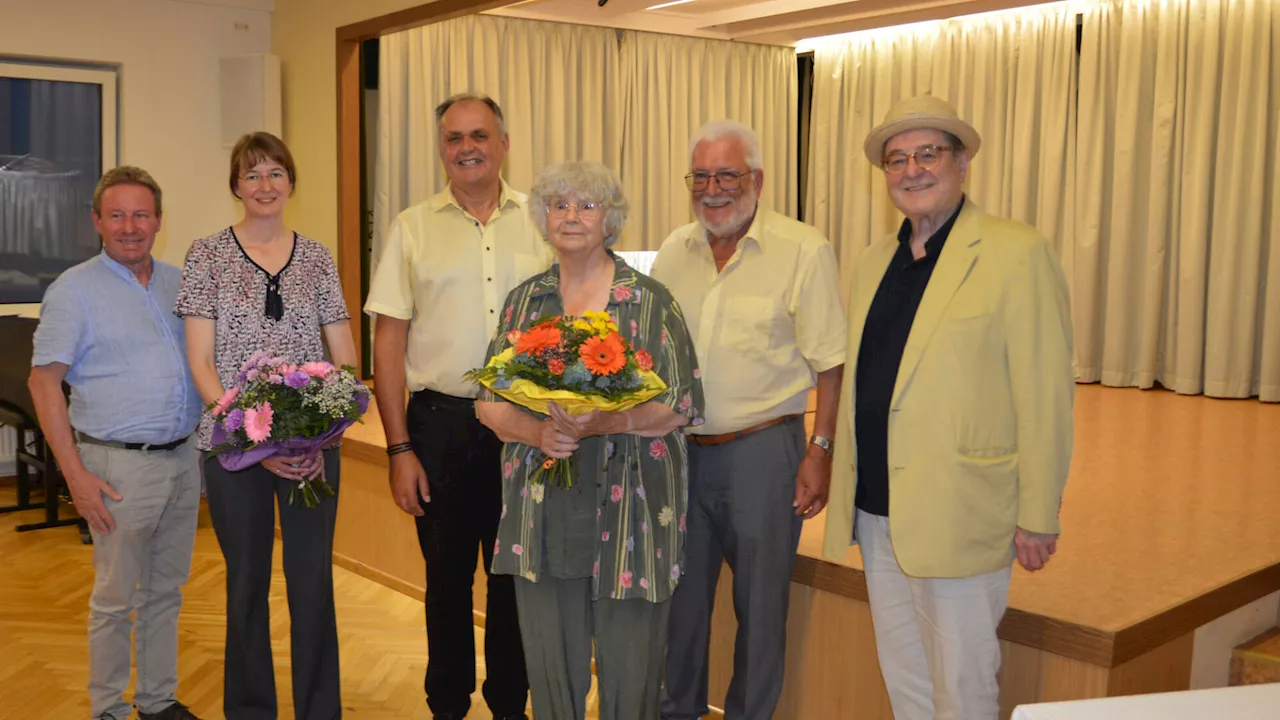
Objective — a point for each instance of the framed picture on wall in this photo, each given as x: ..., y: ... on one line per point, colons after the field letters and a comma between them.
x: 57, y: 135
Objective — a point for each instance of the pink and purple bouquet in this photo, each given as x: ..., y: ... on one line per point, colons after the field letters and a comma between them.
x: 279, y: 408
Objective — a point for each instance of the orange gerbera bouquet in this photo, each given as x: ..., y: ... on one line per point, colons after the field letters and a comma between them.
x: 582, y: 364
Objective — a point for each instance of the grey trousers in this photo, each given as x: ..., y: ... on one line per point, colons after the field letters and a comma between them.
x: 140, y: 567
x: 740, y: 510
x: 558, y: 620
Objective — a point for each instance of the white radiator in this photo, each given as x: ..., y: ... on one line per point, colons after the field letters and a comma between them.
x: 8, y: 447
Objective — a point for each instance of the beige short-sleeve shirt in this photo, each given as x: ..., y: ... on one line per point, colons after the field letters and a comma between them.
x: 449, y: 274
x: 765, y: 325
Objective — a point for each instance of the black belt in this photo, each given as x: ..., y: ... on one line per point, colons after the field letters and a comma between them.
x: 440, y: 401
x: 130, y: 446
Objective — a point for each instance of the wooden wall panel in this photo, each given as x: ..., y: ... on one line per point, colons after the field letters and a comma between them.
x: 373, y: 537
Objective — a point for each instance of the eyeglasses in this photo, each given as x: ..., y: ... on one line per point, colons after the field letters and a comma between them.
x: 588, y: 209
x: 274, y: 176
x: 726, y: 179
x: 927, y: 157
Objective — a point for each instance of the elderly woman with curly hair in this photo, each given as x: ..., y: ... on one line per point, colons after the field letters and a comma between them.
x: 600, y: 560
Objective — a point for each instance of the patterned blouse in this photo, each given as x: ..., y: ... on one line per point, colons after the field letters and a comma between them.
x: 221, y: 283
x: 623, y: 521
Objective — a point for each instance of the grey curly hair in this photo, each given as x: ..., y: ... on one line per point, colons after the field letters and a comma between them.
x: 585, y: 179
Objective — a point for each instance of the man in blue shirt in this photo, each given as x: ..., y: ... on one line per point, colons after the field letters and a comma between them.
x: 107, y: 328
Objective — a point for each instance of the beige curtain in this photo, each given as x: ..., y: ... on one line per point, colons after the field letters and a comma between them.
x: 558, y: 86
x: 1177, y: 263
x: 673, y: 85
x: 1012, y: 75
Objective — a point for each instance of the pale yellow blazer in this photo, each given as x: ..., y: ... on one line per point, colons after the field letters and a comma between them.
x: 980, y: 426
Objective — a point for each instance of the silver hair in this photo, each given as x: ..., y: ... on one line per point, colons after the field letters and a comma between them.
x: 720, y: 129
x: 452, y: 100
x: 586, y: 179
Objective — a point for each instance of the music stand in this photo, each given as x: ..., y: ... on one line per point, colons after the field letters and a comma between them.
x: 18, y: 410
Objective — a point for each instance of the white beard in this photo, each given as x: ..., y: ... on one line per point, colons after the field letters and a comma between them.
x: 744, y: 211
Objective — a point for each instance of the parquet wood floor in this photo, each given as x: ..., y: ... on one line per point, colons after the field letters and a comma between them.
x: 44, y: 594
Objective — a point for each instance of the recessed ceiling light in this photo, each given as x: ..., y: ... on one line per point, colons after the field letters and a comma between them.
x: 668, y: 4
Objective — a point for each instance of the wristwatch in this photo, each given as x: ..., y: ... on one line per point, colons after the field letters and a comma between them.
x: 822, y: 442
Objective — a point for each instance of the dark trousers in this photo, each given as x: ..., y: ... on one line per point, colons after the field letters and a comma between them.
x: 462, y: 459
x: 242, y: 507
x: 740, y: 496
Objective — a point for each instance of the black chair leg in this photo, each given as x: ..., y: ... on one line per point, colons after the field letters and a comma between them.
x: 24, y: 479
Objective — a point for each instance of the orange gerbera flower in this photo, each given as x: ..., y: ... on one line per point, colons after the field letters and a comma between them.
x: 603, y: 355
x: 536, y: 339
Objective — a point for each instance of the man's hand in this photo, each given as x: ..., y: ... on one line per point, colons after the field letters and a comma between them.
x: 87, y: 490
x: 409, y: 486
x: 813, y: 481
x: 1034, y: 549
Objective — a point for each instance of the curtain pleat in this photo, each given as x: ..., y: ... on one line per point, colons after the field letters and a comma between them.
x: 558, y: 86
x: 673, y: 85
x: 1176, y: 268
x: 1012, y: 75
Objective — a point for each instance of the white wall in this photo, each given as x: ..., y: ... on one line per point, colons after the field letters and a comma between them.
x: 1211, y: 656
x: 167, y: 52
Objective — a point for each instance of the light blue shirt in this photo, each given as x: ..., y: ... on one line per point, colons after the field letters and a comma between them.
x: 126, y: 351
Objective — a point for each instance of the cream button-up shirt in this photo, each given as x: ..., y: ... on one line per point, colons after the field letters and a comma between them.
x: 449, y: 274
x: 765, y: 325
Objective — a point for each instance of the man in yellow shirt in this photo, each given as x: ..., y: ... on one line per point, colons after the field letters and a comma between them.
x: 759, y: 293
x: 955, y: 425
x: 444, y: 274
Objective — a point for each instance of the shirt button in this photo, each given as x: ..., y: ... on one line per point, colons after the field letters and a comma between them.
x: 486, y: 247
x: 490, y: 312
x: 490, y: 279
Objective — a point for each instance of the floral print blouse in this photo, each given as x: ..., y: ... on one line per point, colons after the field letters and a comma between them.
x: 623, y: 521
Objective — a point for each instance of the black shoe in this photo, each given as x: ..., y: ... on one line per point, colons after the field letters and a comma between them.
x: 449, y: 716
x: 521, y: 716
x: 176, y: 711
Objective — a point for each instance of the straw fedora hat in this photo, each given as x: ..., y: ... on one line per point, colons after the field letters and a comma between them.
x: 917, y: 113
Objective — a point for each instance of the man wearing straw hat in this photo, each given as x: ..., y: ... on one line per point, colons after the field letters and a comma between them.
x: 954, y: 431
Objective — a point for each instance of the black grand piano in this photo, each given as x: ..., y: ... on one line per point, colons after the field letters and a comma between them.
x: 36, y: 466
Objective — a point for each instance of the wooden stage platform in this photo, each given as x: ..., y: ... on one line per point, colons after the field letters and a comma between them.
x: 1170, y: 522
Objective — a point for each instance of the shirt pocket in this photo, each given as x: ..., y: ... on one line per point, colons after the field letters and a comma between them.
x: 751, y: 325
x: 969, y: 334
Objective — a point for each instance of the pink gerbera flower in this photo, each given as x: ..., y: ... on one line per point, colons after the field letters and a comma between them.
x: 317, y: 369
x: 257, y: 422
x: 225, y: 401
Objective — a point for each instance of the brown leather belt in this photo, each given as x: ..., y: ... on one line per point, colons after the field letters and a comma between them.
x: 707, y: 440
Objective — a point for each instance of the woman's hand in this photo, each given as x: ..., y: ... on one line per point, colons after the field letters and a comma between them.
x: 295, y: 469
x: 555, y: 443
x: 649, y: 419
x: 595, y: 422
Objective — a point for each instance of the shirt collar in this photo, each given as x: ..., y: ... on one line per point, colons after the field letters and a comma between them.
x: 934, y: 244
x: 506, y: 198
x: 121, y: 271
x: 624, y: 289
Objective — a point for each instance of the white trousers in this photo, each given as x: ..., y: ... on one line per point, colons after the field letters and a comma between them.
x: 936, y: 637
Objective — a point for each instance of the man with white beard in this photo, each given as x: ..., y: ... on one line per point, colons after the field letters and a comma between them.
x: 759, y: 293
